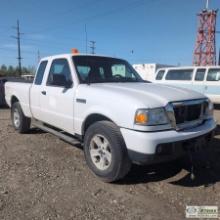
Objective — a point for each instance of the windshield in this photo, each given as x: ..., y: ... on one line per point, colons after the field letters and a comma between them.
x: 94, y: 69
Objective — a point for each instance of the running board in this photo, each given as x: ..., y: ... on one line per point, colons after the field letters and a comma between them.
x: 61, y: 134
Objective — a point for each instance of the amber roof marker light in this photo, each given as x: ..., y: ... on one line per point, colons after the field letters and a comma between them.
x: 74, y: 51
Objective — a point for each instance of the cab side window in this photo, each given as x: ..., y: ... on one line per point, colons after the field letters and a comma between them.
x: 200, y: 74
x: 60, y: 74
x: 160, y: 75
x: 40, y: 73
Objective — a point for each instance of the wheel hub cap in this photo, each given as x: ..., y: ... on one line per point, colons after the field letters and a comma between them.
x: 16, y: 118
x: 100, y: 152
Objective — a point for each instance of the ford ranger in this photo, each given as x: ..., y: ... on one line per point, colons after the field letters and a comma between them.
x: 120, y: 119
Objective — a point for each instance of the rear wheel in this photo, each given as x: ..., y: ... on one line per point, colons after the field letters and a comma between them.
x: 105, y: 151
x: 20, y: 122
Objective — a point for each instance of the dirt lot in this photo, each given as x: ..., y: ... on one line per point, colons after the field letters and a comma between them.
x: 42, y: 177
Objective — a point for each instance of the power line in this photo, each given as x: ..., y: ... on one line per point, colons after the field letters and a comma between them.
x: 12, y: 49
x: 18, y: 38
x: 49, y: 43
x: 92, y: 46
x: 49, y: 39
x: 132, y: 5
x: 62, y: 14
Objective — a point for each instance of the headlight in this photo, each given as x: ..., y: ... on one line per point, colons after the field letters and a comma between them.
x: 209, y: 108
x: 155, y: 116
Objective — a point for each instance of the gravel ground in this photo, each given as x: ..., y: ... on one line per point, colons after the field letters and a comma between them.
x: 42, y: 177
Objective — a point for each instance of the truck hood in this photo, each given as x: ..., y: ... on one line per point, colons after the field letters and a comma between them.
x: 149, y: 94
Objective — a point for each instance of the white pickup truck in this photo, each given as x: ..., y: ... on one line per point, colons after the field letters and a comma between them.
x: 103, y: 103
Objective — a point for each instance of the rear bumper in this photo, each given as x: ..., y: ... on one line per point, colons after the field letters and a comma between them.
x: 151, y: 147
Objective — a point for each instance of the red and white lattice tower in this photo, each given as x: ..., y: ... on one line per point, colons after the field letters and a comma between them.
x: 205, y: 49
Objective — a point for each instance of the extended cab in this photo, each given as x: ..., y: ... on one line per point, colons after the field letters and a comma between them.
x: 103, y: 103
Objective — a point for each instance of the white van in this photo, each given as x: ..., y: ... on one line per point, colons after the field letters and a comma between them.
x: 204, y: 79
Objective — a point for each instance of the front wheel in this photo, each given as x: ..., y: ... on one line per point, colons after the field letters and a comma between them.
x: 105, y: 151
x: 20, y: 122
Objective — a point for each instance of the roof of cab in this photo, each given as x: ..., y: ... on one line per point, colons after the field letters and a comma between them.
x: 71, y: 55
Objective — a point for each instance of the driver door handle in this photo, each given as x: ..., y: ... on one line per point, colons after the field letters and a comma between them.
x: 44, y: 92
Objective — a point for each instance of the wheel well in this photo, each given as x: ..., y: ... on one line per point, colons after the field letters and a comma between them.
x: 13, y: 100
x: 91, y: 119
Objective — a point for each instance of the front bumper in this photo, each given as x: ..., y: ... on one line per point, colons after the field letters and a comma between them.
x: 151, y: 147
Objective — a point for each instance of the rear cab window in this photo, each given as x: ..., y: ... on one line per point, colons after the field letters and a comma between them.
x: 160, y: 74
x: 40, y: 72
x: 179, y: 74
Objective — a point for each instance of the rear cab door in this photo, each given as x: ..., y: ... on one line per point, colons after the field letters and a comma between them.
x: 36, y: 88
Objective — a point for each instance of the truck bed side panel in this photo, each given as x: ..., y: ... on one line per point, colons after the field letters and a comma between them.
x: 21, y: 92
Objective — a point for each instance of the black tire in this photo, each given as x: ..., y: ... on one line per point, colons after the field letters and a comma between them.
x: 24, y: 123
x: 120, y: 162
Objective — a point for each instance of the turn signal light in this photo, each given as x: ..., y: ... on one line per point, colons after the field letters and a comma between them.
x: 141, y: 118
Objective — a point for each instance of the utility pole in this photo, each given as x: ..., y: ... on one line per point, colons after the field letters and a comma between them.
x: 92, y: 46
x: 18, y: 38
x: 86, y: 43
x: 38, y: 56
x: 219, y: 57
